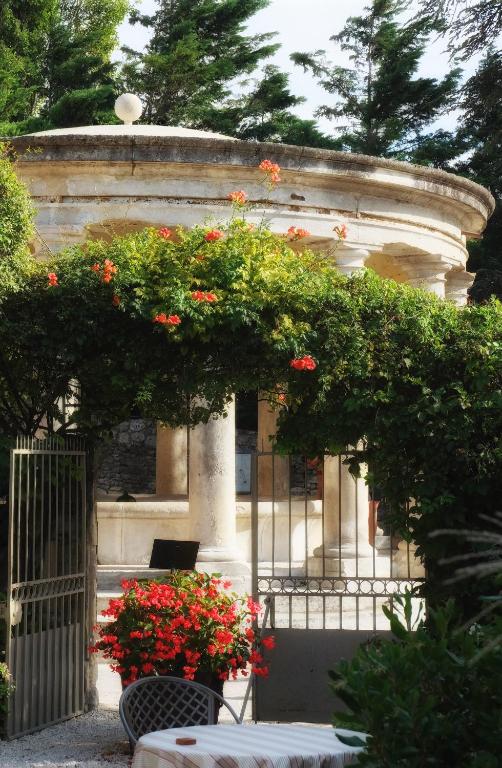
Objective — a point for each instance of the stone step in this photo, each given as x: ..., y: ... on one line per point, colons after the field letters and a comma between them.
x: 110, y: 577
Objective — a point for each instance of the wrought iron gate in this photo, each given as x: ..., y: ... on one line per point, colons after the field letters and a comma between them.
x: 46, y: 589
x: 325, y: 561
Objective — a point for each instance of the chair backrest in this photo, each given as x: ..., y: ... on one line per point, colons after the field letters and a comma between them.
x: 156, y: 703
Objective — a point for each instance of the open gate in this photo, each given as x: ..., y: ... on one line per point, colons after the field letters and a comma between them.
x: 46, y: 582
x: 324, y: 560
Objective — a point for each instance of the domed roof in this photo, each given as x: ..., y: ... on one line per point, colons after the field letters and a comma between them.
x: 153, y: 131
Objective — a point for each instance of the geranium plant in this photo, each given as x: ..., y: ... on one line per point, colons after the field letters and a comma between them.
x: 187, y: 625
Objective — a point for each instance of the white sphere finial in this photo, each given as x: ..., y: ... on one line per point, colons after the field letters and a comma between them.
x: 128, y: 108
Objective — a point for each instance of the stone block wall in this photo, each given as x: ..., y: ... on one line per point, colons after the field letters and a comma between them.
x: 127, y: 461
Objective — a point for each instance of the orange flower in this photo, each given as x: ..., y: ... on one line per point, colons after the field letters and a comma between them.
x: 53, y: 279
x: 160, y: 318
x: 272, y: 170
x: 173, y: 320
x: 116, y: 300
x: 213, y: 234
x: 296, y: 233
x: 341, y: 231
x: 238, y: 198
x: 164, y: 319
x: 211, y: 297
x: 109, y: 269
x: 96, y: 267
x: 198, y: 295
x: 165, y: 232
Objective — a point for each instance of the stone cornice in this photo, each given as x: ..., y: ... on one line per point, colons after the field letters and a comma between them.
x: 360, y: 169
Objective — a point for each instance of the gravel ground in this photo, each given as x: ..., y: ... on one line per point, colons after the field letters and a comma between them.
x: 94, y: 740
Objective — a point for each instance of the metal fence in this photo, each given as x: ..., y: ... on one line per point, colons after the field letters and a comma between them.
x: 325, y: 560
x: 46, y: 582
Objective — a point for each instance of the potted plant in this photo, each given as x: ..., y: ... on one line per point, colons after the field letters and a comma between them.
x: 187, y: 625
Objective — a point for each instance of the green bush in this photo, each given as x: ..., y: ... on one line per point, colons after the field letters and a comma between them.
x: 427, y: 698
x: 6, y: 687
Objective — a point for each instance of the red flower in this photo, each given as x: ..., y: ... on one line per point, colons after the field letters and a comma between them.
x: 147, y: 667
x: 136, y: 634
x: 261, y: 671
x: 341, y: 231
x: 96, y: 267
x: 116, y: 300
x: 189, y: 672
x: 164, y: 319
x: 213, y: 234
x: 305, y: 363
x: 165, y: 232
x: 296, y: 233
x: 309, y: 363
x: 268, y: 642
x: 201, y: 296
x: 53, y: 279
x: 238, y: 198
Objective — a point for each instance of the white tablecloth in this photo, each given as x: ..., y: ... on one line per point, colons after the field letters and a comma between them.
x: 245, y: 746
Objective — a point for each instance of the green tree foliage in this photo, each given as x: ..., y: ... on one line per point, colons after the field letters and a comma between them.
x: 197, y: 48
x: 24, y: 28
x: 470, y: 24
x: 55, y: 62
x: 426, y: 697
x: 16, y: 226
x: 481, y: 131
x: 80, y: 76
x: 262, y: 113
x: 384, y: 105
x: 189, y: 73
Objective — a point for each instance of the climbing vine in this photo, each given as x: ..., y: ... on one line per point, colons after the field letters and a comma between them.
x: 174, y: 322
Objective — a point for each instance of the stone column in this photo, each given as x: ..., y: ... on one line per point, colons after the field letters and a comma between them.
x: 346, y: 531
x: 171, y: 461
x: 457, y: 283
x: 211, y: 492
x: 349, y: 260
x: 273, y: 471
x: 346, y: 500
x: 428, y: 275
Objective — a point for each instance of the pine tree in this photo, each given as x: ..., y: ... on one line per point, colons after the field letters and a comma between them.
x: 262, y: 113
x: 197, y: 51
x: 55, y: 62
x: 471, y: 25
x: 384, y: 105
x: 481, y: 129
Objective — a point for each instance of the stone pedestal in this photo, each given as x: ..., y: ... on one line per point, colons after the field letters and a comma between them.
x: 405, y: 563
x: 211, y: 492
x: 273, y: 471
x: 457, y: 283
x: 171, y: 461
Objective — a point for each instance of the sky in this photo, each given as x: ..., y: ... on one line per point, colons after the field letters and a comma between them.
x: 307, y: 25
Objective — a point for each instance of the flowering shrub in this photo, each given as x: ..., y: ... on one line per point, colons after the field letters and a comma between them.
x: 186, y: 626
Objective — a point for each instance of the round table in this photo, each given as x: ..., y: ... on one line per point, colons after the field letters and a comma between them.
x: 259, y: 745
